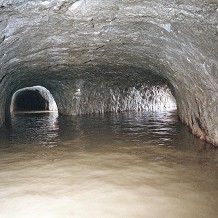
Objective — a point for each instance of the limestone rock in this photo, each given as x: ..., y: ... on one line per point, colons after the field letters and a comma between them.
x: 58, y: 43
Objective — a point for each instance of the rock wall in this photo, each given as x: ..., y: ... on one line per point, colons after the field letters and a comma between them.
x: 55, y: 43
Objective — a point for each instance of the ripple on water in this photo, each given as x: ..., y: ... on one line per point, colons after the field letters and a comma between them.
x: 113, y: 165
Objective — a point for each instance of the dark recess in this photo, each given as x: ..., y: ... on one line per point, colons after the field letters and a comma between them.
x: 30, y: 101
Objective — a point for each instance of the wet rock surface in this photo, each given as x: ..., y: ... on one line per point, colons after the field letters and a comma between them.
x: 64, y: 45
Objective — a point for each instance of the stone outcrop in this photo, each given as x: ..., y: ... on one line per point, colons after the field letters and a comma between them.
x: 63, y: 45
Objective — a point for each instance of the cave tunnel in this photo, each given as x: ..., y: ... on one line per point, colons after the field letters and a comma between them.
x: 109, y: 108
x: 36, y: 98
x: 30, y: 101
x: 107, y: 44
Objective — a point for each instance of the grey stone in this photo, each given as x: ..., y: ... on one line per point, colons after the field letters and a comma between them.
x: 61, y: 44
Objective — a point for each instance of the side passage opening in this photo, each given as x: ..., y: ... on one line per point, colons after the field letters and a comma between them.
x: 33, y: 99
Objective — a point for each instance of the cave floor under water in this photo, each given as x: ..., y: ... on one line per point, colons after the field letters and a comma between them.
x: 128, y: 165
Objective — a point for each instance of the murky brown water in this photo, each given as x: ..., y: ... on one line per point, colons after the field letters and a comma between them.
x: 125, y: 165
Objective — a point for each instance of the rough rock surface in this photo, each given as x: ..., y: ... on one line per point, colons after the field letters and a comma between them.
x: 61, y: 44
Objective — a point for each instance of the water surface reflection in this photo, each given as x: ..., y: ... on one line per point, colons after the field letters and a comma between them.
x: 112, y: 165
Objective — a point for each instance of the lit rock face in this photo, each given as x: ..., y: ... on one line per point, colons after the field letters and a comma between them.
x: 67, y: 45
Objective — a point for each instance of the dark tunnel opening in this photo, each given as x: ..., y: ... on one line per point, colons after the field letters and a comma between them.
x: 30, y: 100
x: 35, y: 98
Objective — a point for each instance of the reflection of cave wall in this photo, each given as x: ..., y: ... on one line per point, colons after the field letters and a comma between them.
x: 30, y: 101
x: 66, y: 45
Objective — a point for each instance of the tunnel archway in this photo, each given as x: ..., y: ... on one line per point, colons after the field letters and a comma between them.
x: 30, y: 100
x: 35, y: 98
x: 174, y: 39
